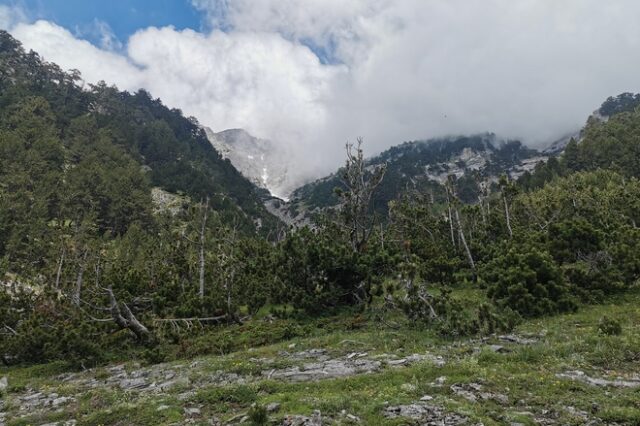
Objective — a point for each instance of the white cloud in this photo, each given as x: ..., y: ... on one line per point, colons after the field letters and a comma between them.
x: 56, y: 44
x: 9, y: 16
x: 532, y: 69
x: 342, y: 24
x: 256, y: 81
x: 408, y: 69
x: 101, y: 30
x: 231, y: 79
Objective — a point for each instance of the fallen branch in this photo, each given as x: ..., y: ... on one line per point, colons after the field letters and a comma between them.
x: 176, y: 323
x: 218, y: 318
x: 15, y: 333
x: 128, y: 320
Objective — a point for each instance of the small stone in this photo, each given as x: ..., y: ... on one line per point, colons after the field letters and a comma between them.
x: 425, y: 414
x: 408, y: 387
x: 466, y: 391
x: 273, y: 407
x: 162, y: 407
x: 511, y: 338
x: 498, y: 349
x: 582, y: 377
x: 353, y: 418
x: 191, y: 411
x: 60, y: 401
x: 426, y: 398
x: 4, y: 384
x: 135, y: 383
x: 440, y: 380
x: 497, y: 397
x: 291, y: 346
x: 33, y: 396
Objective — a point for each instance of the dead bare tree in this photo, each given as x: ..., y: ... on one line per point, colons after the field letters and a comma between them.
x: 452, y: 201
x: 188, y: 323
x: 59, y: 268
x: 124, y: 318
x: 483, y: 196
x: 228, y: 262
x: 464, y: 241
x: 203, y: 225
x: 450, y: 217
x: 360, y: 184
x: 505, y: 189
x: 82, y: 264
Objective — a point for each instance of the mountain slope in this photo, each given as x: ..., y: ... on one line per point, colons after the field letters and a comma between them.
x: 261, y: 161
x: 172, y: 151
x: 425, y: 165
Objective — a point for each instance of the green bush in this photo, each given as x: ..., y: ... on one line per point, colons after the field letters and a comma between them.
x: 155, y: 355
x: 569, y: 238
x: 258, y: 415
x: 593, y: 280
x: 319, y: 272
x: 609, y: 326
x: 527, y: 280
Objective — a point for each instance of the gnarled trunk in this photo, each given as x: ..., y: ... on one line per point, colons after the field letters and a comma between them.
x: 125, y: 318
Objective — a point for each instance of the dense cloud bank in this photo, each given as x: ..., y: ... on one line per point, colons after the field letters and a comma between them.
x: 313, y: 73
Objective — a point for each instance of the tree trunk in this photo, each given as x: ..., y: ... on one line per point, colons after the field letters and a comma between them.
x: 482, y: 212
x: 128, y: 320
x: 202, y: 243
x: 115, y: 310
x: 507, y: 215
x: 134, y: 325
x: 59, y: 271
x: 453, y: 238
x: 464, y: 242
x: 79, y: 279
x: 227, y: 286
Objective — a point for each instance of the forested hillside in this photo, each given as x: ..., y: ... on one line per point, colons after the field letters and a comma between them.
x: 46, y: 106
x: 424, y: 166
x: 96, y: 183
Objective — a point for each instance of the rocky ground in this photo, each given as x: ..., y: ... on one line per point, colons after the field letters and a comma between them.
x: 554, y: 372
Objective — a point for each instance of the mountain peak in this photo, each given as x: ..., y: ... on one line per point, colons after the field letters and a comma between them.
x: 259, y: 160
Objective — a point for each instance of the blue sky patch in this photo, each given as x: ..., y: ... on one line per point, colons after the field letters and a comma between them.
x: 87, y: 18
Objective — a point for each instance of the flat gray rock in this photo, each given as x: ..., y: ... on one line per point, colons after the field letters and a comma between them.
x: 581, y: 376
x: 425, y: 414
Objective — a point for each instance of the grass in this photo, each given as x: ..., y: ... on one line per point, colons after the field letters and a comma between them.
x: 526, y: 375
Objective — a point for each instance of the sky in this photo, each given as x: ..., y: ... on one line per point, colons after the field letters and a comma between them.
x: 313, y: 74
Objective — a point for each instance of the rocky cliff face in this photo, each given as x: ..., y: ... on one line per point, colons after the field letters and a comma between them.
x: 260, y: 160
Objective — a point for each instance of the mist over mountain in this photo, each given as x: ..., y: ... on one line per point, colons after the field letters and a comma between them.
x: 424, y: 167
x: 263, y: 162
